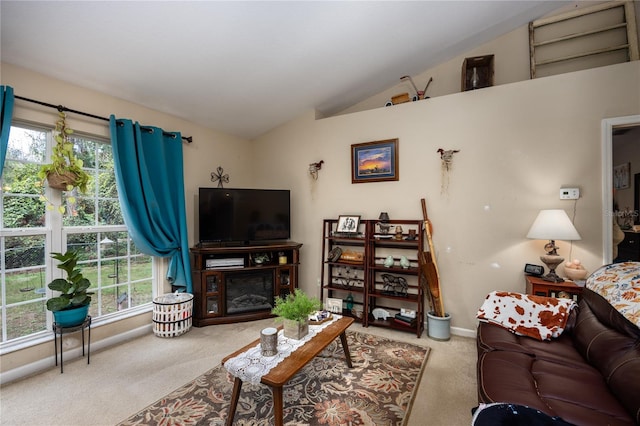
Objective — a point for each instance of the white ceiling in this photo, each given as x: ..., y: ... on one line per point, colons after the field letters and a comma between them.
x: 244, y: 68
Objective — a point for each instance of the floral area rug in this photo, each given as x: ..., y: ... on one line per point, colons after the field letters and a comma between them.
x: 378, y: 390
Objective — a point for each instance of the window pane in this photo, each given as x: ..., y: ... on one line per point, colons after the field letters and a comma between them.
x: 105, y: 156
x: 85, y: 150
x: 21, y: 178
x: 80, y: 213
x: 26, y: 319
x: 141, y: 276
x: 110, y: 213
x: 107, y: 184
x: 23, y: 212
x: 27, y: 145
x: 21, y: 188
x: 85, y: 244
x: 25, y: 283
x: 24, y: 252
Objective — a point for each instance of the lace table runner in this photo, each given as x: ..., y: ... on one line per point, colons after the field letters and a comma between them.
x: 250, y: 365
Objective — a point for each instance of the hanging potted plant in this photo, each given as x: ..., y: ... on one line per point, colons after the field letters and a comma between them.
x: 65, y: 170
x: 294, y: 311
x: 71, y: 306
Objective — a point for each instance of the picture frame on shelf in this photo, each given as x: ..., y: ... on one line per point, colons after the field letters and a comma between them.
x: 333, y: 305
x: 375, y: 161
x: 621, y: 176
x: 348, y: 224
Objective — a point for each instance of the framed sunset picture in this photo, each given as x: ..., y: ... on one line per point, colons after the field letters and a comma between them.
x: 374, y: 161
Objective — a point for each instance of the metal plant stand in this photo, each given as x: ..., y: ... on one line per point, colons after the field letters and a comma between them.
x: 60, y: 330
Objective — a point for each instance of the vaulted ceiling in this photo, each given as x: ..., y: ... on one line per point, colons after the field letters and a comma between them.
x: 243, y: 67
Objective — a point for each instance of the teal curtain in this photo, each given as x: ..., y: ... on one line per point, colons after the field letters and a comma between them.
x: 6, y: 113
x: 150, y: 181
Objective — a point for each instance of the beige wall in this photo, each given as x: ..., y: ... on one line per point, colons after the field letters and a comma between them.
x: 519, y: 144
x: 511, y: 64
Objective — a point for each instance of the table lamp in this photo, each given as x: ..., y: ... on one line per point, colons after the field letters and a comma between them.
x: 552, y: 225
x: 383, y: 223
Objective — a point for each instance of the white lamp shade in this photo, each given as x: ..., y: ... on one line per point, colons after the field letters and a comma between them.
x: 553, y: 225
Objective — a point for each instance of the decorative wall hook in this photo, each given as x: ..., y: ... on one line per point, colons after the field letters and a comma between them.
x: 220, y: 177
x: 313, y: 169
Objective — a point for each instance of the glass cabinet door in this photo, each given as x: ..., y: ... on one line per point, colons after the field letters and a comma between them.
x: 284, y: 279
x: 212, y: 283
x: 213, y: 294
x: 213, y: 307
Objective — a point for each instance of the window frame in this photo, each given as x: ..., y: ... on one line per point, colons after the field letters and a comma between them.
x: 56, y: 236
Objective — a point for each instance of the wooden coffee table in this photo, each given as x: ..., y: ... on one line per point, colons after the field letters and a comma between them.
x: 278, y: 376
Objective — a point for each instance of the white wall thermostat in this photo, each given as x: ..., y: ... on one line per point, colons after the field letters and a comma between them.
x: 569, y: 193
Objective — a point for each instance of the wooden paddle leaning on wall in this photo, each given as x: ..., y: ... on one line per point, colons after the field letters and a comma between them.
x: 429, y: 268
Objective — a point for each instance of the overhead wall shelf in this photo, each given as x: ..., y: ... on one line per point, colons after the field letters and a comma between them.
x: 590, y: 37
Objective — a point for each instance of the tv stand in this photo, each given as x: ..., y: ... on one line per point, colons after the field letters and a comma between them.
x: 224, y: 277
x: 219, y: 244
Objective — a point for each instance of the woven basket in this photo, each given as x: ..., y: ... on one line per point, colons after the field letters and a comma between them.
x: 61, y: 180
x: 172, y: 314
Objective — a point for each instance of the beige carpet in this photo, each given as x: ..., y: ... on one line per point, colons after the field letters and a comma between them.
x: 123, y: 380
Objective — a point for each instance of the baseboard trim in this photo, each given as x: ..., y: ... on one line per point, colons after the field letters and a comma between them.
x: 464, y: 332
x: 46, y: 363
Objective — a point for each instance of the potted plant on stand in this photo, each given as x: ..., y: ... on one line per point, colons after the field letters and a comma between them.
x: 71, y: 306
x: 294, y: 311
x: 65, y: 170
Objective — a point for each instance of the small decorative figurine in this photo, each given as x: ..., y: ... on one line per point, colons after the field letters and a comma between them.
x: 404, y: 262
x: 384, y: 226
x: 389, y: 261
x: 396, y: 286
x: 379, y: 313
x: 349, y: 302
x: 398, y: 232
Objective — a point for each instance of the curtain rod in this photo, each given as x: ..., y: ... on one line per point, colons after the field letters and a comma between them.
x: 61, y: 108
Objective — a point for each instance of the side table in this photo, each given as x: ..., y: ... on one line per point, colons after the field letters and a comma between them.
x: 60, y: 330
x: 539, y: 287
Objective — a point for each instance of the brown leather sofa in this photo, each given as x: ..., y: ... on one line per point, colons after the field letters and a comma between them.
x: 589, y: 375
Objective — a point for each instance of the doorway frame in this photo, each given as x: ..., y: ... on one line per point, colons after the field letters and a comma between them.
x: 607, y: 126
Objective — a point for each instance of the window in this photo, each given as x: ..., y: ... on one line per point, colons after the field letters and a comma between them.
x: 121, y: 277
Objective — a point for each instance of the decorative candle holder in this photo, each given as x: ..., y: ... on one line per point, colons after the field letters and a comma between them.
x: 269, y: 341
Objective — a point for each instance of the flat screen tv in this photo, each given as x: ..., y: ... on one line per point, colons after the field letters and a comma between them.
x: 243, y: 215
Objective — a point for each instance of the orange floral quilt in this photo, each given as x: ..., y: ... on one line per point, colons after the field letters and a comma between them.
x: 619, y: 284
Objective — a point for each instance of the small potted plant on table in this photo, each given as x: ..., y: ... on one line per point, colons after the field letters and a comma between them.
x: 294, y: 311
x: 71, y: 306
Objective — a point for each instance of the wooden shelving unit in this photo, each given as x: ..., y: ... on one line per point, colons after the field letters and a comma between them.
x: 405, y: 290
x: 343, y: 278
x: 372, y: 284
